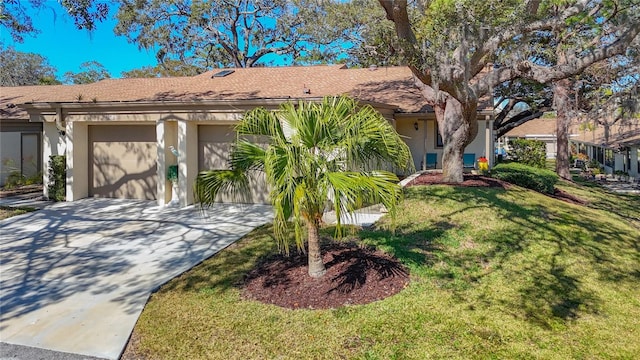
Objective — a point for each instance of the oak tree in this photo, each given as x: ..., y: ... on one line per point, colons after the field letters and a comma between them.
x: 223, y: 33
x: 90, y: 72
x: 449, y: 45
x: 21, y: 68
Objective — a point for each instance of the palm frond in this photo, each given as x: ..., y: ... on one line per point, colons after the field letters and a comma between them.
x: 353, y: 189
x: 371, y: 141
x: 209, y: 184
x: 247, y: 156
x: 309, y: 151
x: 260, y: 122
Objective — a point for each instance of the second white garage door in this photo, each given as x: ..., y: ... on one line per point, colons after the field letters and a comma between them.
x: 123, y: 161
x: 214, y: 146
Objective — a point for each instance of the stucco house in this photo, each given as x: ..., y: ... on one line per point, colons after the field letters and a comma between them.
x: 117, y: 134
x: 617, y: 147
x: 542, y: 129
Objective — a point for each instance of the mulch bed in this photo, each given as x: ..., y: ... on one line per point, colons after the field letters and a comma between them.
x: 470, y: 180
x: 355, y: 275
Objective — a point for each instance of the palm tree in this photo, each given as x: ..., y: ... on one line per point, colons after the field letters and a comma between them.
x: 312, y: 152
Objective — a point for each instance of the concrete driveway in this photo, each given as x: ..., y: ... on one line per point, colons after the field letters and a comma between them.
x: 75, y: 276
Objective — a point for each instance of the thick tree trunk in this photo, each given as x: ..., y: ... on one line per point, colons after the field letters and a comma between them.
x: 458, y: 127
x: 316, y: 266
x: 562, y: 104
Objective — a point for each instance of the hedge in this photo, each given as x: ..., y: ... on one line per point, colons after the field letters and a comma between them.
x: 57, y: 178
x: 540, y: 180
x: 528, y: 152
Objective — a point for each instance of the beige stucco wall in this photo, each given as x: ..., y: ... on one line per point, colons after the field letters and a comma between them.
x: 187, y: 160
x: 477, y: 146
x: 167, y: 136
x: 214, y: 147
x: 415, y: 139
x: 77, y: 156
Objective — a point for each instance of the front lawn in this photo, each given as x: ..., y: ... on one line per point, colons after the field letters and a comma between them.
x: 501, y: 274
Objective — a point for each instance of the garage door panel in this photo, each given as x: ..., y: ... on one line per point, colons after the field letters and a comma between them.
x: 215, y: 143
x: 123, y: 162
x: 214, y: 156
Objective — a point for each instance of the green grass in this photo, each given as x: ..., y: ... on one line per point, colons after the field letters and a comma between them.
x: 8, y: 211
x: 496, y: 274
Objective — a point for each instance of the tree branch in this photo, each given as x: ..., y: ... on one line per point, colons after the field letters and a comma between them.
x: 516, y: 121
x: 397, y: 12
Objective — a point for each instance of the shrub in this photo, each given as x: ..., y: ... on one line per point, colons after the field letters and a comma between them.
x: 529, y: 152
x: 533, y: 178
x: 57, y: 178
x: 595, y: 167
x: 34, y: 179
x: 14, y: 180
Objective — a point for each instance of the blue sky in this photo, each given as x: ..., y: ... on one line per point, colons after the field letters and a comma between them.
x: 66, y: 48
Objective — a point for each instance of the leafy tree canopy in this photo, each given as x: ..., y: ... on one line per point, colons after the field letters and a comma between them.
x: 20, y: 68
x: 247, y: 33
x: 167, y: 68
x: 16, y: 19
x: 449, y: 45
x: 224, y: 33
x: 366, y: 39
x: 90, y: 72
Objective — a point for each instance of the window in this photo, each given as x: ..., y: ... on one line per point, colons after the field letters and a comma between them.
x: 608, y: 158
x: 439, y: 142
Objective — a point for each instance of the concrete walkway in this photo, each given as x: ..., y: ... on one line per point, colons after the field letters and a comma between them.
x: 364, y: 217
x: 32, y: 200
x: 74, y: 277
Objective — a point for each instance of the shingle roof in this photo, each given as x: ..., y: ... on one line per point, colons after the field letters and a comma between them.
x: 388, y: 85
x: 620, y: 135
x: 540, y: 126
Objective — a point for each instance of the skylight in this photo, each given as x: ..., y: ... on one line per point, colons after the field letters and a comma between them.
x: 223, y: 73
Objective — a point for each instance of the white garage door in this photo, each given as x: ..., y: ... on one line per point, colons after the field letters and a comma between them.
x: 123, y: 161
x: 214, y: 147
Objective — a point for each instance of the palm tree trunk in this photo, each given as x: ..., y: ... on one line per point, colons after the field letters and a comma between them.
x: 316, y: 266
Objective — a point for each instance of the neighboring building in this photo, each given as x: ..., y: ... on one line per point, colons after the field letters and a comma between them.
x: 20, y: 140
x: 117, y: 134
x: 617, y: 147
x: 543, y: 129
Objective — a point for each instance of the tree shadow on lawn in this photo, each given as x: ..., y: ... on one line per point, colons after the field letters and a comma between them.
x: 228, y: 267
x: 624, y: 205
x: 540, y: 254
